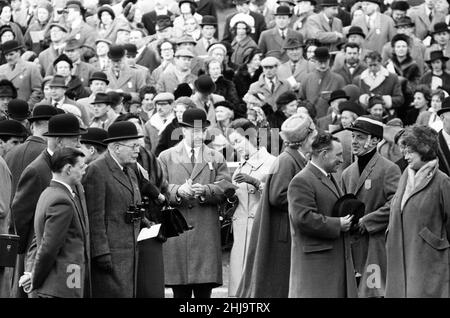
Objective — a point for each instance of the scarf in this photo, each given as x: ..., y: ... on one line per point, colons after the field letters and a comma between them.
x: 415, y: 179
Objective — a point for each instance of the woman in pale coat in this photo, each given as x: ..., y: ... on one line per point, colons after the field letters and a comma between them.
x: 250, y: 177
x: 417, y: 244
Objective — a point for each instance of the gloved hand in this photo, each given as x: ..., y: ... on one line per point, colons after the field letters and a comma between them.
x: 104, y: 262
x: 243, y: 177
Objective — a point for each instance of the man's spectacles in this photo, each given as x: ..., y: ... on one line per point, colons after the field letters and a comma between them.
x: 133, y: 146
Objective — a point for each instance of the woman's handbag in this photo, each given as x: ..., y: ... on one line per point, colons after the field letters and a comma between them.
x: 173, y: 223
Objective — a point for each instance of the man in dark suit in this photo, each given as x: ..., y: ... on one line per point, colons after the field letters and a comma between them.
x: 63, y: 131
x: 145, y: 56
x: 61, y: 266
x: 242, y: 6
x: 321, y: 262
x: 444, y: 137
x: 111, y: 190
x: 352, y: 66
x: 149, y: 19
x: 331, y: 121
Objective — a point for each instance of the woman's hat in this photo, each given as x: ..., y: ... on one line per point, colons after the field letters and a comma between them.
x: 18, y: 109
x: 225, y: 104
x: 192, y: 117
x: 285, y: 99
x: 338, y: 94
x: 437, y: 55
x: 445, y: 106
x: 99, y: 76
x: 13, y: 128
x: 102, y: 98
x: 204, y: 84
x: 5, y: 28
x: 187, y: 1
x: 106, y: 8
x: 216, y: 45
x: 65, y: 58
x: 400, y: 5
x: 123, y: 130
x: 64, y: 125
x: 242, y: 17
x: 58, y: 81
x: 293, y: 43
x: 42, y: 112
x: 351, y: 107
x: 94, y: 136
x: 367, y: 126
x: 296, y: 128
x: 355, y: 30
x: 10, y: 46
x: 400, y: 37
x: 104, y: 41
x: 7, y: 89
x: 440, y: 27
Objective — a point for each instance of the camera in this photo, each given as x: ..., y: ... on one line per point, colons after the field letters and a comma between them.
x: 134, y: 213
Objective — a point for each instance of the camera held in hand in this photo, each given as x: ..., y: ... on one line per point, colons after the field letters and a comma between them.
x: 134, y: 214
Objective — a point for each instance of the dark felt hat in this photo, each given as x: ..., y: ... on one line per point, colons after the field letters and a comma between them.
x: 75, y: 4
x: 405, y: 21
x: 94, y: 136
x: 400, y: 5
x: 285, y: 98
x: 42, y: 112
x: 72, y: 44
x: 338, y: 94
x: 58, y: 81
x: 58, y: 25
x: 122, y: 130
x: 193, y: 117
x: 65, y: 58
x: 64, y: 125
x: 349, y: 204
x: 182, y: 89
x: 400, y: 37
x: 322, y: 53
x: 105, y: 8
x: 101, y: 98
x: 352, y: 107
x: 18, y: 109
x: 13, y: 128
x: 445, y: 106
x: 99, y: 76
x: 293, y: 43
x: 437, y: 55
x: 355, y: 30
x: 7, y: 89
x: 209, y: 20
x: 225, y: 104
x: 440, y: 27
x: 131, y: 49
x: 116, y: 52
x: 329, y: 3
x: 187, y: 1
x: 204, y: 84
x: 367, y: 126
x: 10, y: 46
x: 283, y: 10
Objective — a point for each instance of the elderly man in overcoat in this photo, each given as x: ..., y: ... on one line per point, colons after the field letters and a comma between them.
x: 373, y: 179
x: 267, y: 267
x: 193, y: 260
x: 321, y: 260
x: 111, y: 191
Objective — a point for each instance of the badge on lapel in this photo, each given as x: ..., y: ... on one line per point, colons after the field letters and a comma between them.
x: 78, y: 36
x: 368, y: 184
x: 130, y: 85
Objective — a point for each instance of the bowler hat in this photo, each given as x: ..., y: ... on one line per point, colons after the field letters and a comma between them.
x: 94, y: 136
x: 225, y: 104
x: 192, y: 117
x: 283, y: 10
x: 58, y: 81
x: 400, y: 5
x: 122, y: 130
x: 72, y: 44
x: 445, y: 106
x: 58, y: 25
x: 102, y: 98
x: 183, y: 89
x: 349, y: 204
x: 405, y: 21
x: 440, y: 27
x: 99, y: 76
x: 209, y: 20
x: 293, y: 43
x: 64, y: 125
x: 337, y: 95
x: 355, y: 30
x: 13, y: 128
x: 7, y: 89
x: 131, y: 49
x: 437, y: 55
x: 204, y: 84
x: 10, y: 46
x: 42, y: 112
x: 367, y: 126
x: 105, y: 8
x: 329, y: 3
x: 352, y: 107
x: 65, y: 58
x: 322, y: 54
x: 296, y: 128
x: 116, y: 52
x: 164, y: 97
x: 18, y: 109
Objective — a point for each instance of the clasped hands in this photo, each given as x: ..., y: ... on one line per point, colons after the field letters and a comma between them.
x: 346, y: 223
x: 188, y: 190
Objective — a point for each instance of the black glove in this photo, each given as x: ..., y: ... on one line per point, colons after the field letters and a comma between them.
x: 104, y: 262
x: 243, y: 177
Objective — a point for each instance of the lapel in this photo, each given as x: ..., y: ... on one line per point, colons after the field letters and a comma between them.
x: 201, y: 163
x: 299, y: 160
x: 125, y: 76
x: 277, y: 37
x: 445, y: 152
x: 73, y: 199
x: 18, y: 70
x: 423, y: 16
x: 324, y: 22
x: 142, y: 55
x: 117, y: 173
x: 183, y: 157
x: 421, y: 186
x: 366, y: 172
x: 79, y: 190
x: 326, y: 181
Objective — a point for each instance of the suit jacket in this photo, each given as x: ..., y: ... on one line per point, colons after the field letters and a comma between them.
x: 271, y: 40
x: 85, y: 33
x: 148, y: 58
x: 261, y: 87
x: 62, y: 236
x: 195, y: 257
x: 321, y: 260
x: 129, y: 81
x: 382, y: 32
x: 206, y: 7
x: 423, y: 26
x: 201, y: 49
x: 18, y: 158
x: 260, y: 26
x: 46, y: 59
x: 443, y: 154
x: 301, y: 70
x: 375, y: 187
x: 149, y: 21
x: 348, y: 77
x: 27, y: 79
x: 83, y: 111
x: 5, y: 202
x: 109, y: 193
x: 317, y: 27
x: 210, y: 112
x: 168, y: 81
x: 83, y: 71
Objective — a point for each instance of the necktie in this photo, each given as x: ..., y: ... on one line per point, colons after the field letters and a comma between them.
x: 192, y: 157
x: 294, y: 65
x: 117, y: 74
x: 272, y: 86
x: 330, y: 176
x: 430, y: 16
x: 330, y: 22
x: 206, y: 107
x: 283, y: 36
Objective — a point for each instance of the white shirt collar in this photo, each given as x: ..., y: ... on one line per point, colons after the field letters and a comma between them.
x: 66, y: 185
x: 50, y: 152
x: 326, y: 18
x: 268, y: 81
x: 446, y: 137
x: 320, y: 169
x: 114, y: 158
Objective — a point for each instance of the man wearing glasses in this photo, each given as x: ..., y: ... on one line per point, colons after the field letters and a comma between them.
x: 269, y: 87
x: 111, y: 193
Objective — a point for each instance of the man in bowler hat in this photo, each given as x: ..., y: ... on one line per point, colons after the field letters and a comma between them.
x: 373, y: 179
x: 112, y: 191
x: 7, y: 93
x: 92, y: 143
x: 63, y: 131
x: 193, y: 261
x: 444, y: 137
